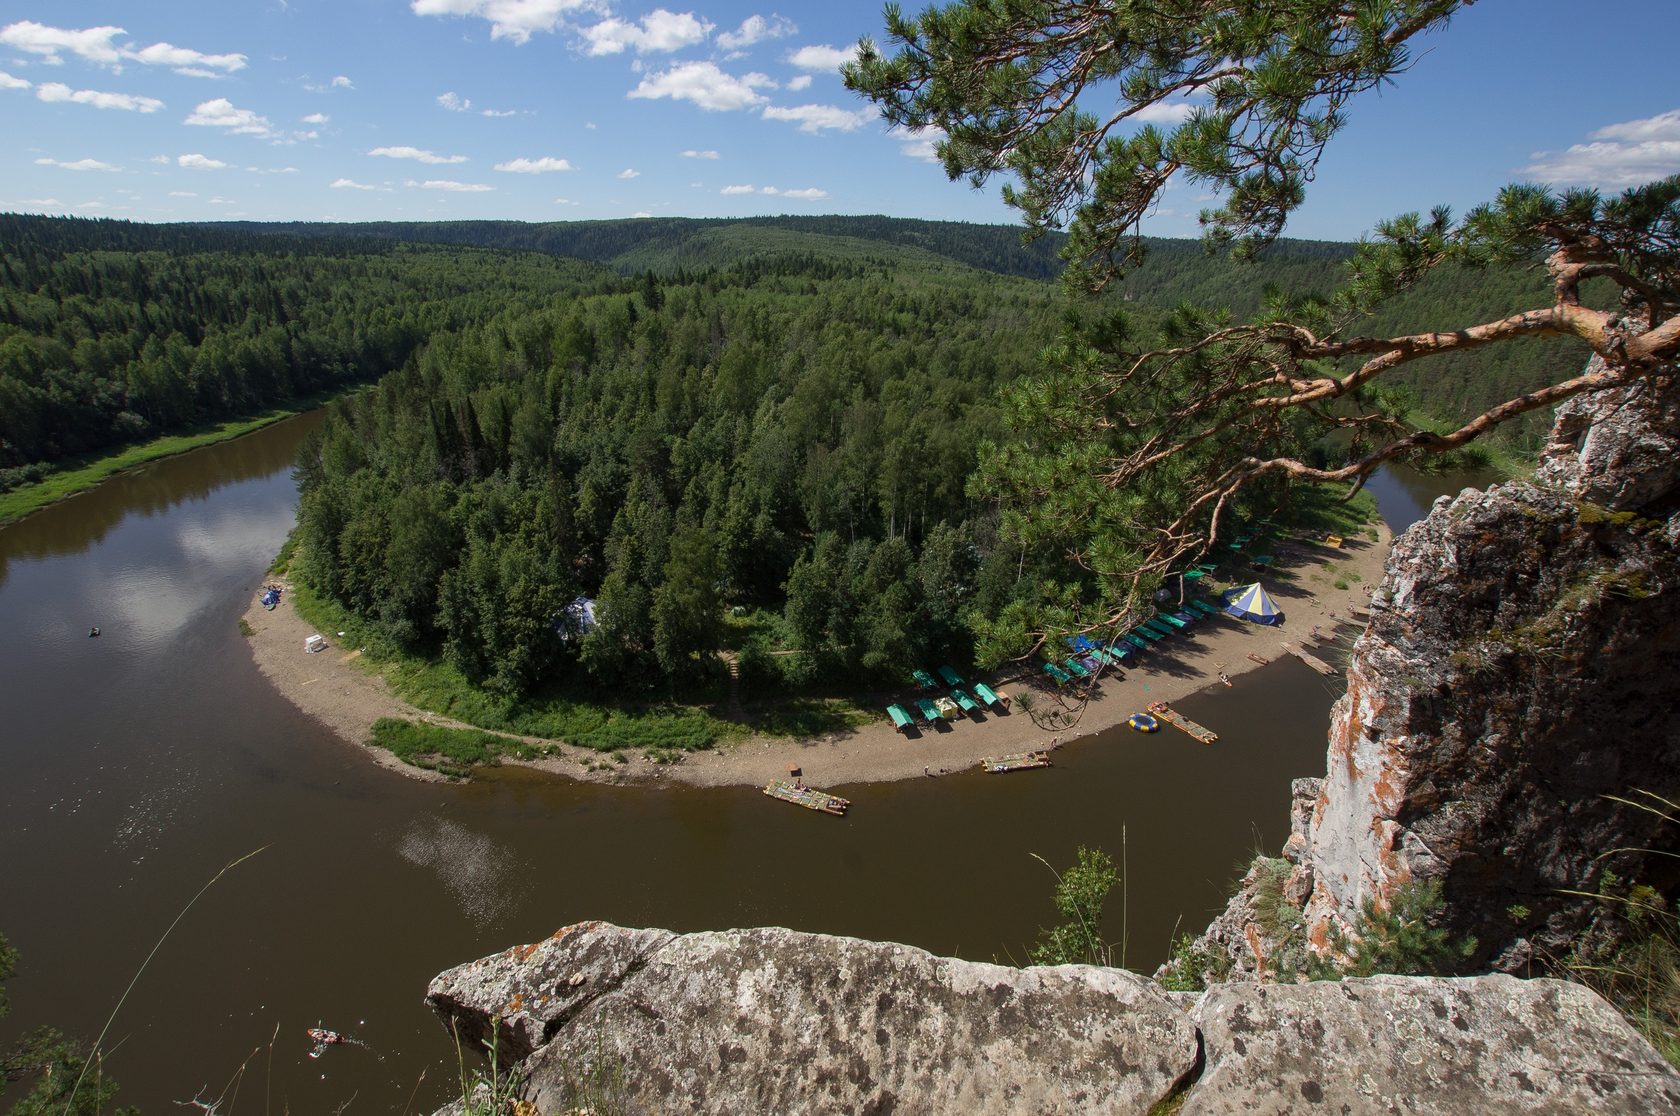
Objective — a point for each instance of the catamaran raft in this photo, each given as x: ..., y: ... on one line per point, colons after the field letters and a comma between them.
x: 1179, y: 721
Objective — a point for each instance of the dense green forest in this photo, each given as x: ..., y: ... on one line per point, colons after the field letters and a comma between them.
x: 780, y: 416
x: 665, y: 244
x: 112, y: 333
x: 1175, y: 272
x: 790, y: 434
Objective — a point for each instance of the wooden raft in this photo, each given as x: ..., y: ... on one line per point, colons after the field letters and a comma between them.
x: 807, y: 797
x: 1184, y: 724
x: 1015, y: 761
x: 1313, y: 661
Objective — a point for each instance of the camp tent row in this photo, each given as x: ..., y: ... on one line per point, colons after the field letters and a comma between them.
x: 945, y: 708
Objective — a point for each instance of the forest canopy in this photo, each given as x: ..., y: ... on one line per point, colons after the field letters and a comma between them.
x: 798, y: 421
x: 1169, y: 429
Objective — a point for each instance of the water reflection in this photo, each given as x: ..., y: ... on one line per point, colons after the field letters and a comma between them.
x: 1405, y: 495
x: 138, y: 764
x: 151, y: 489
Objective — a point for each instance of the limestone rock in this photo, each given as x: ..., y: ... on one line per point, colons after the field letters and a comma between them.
x: 772, y: 1020
x: 532, y: 990
x: 1517, y: 674
x: 1488, y: 1045
x: 1619, y: 450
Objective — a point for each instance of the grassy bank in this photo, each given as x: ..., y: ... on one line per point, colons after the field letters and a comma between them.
x: 448, y: 750
x: 1510, y: 461
x: 663, y: 730
x: 79, y: 474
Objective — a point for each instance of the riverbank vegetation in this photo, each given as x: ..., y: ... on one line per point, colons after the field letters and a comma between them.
x: 115, y: 335
x: 823, y: 430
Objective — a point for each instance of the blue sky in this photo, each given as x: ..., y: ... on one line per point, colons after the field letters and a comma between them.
x: 544, y: 110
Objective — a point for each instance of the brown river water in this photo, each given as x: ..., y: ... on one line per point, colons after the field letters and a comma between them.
x: 134, y: 766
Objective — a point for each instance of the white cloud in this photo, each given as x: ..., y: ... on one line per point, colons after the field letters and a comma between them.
x: 1663, y: 126
x: 350, y: 184
x: 816, y: 118
x: 534, y: 166
x: 810, y: 193
x: 629, y: 173
x: 77, y: 165
x: 822, y: 59
x: 1618, y: 155
x: 316, y: 118
x: 223, y: 201
x: 691, y: 154
x: 189, y: 62
x: 182, y: 194
x: 756, y: 29
x: 51, y: 43
x: 641, y: 213
x: 803, y: 81
x: 705, y: 85
x: 498, y: 112
x: 416, y: 153
x: 7, y: 81
x: 508, y: 19
x: 452, y: 187
x: 659, y: 32
x: 919, y: 144
x: 454, y: 102
x: 129, y: 102
x: 341, y: 82
x: 566, y: 201
x: 1164, y: 112
x: 196, y: 161
x: 221, y: 113
x: 97, y: 45
x: 272, y: 170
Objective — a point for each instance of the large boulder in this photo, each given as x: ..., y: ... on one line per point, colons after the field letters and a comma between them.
x: 1489, y: 1045
x: 773, y: 1020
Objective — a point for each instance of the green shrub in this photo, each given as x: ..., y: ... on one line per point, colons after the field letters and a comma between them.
x: 450, y: 750
x: 1399, y: 939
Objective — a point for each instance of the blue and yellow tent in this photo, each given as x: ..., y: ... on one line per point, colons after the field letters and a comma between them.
x: 1253, y: 604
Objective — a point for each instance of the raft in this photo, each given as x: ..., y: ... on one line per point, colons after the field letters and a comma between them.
x: 1015, y: 761
x: 1313, y: 661
x: 808, y: 797
x: 1143, y: 722
x: 1184, y: 724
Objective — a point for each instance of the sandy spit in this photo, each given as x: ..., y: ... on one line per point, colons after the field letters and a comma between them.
x: 346, y: 693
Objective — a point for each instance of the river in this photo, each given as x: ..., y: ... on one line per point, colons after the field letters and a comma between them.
x: 138, y: 764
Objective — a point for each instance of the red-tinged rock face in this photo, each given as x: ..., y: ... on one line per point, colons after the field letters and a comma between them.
x: 1520, y: 674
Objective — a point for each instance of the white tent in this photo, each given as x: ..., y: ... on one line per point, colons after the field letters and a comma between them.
x: 1253, y: 604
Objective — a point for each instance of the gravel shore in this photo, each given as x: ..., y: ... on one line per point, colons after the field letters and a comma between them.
x: 347, y: 694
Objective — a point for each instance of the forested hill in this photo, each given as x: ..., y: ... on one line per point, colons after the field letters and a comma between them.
x: 666, y: 244
x: 113, y: 333
x: 1175, y: 272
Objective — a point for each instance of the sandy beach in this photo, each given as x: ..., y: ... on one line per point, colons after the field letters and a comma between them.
x: 347, y: 694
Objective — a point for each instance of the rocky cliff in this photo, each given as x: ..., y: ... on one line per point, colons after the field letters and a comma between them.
x: 1519, y: 680
x: 606, y: 1019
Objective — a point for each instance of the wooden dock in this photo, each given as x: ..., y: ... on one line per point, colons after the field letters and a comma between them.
x: 1311, y: 660
x: 1184, y: 724
x: 808, y: 797
x: 1015, y: 761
